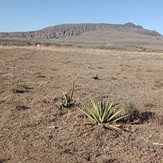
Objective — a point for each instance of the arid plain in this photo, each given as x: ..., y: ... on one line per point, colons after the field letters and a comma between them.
x: 35, y: 128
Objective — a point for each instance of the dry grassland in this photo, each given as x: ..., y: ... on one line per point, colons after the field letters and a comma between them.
x: 35, y: 128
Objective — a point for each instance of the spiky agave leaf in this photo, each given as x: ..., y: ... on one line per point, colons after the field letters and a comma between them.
x: 73, y: 89
x: 65, y: 100
x: 96, y: 111
x: 101, y: 112
x: 89, y: 114
x: 107, y: 108
x: 113, y: 126
x: 114, y: 115
x: 113, y: 119
x: 90, y: 123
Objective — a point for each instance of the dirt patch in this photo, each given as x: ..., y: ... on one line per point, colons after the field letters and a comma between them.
x: 35, y: 128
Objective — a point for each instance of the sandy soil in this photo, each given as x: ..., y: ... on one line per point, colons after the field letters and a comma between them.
x: 35, y: 128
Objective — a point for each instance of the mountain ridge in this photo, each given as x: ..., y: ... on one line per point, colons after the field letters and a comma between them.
x: 121, y: 36
x: 68, y: 30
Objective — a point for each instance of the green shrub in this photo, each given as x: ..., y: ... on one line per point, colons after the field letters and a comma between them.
x: 132, y: 112
x: 68, y: 101
x: 104, y: 114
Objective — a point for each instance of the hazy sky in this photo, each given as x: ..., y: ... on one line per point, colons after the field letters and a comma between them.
x: 28, y: 15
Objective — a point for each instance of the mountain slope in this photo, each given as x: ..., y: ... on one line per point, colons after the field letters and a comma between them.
x: 107, y: 35
x: 68, y: 30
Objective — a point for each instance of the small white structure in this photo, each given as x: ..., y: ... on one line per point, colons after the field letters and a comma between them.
x: 40, y: 45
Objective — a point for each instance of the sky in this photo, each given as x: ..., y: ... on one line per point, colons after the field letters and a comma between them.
x: 29, y: 15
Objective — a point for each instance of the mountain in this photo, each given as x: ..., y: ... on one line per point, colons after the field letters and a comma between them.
x: 106, y: 35
x: 68, y: 30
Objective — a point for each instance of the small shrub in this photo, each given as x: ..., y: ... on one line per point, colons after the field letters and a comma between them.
x: 68, y: 101
x: 132, y: 112
x: 104, y: 114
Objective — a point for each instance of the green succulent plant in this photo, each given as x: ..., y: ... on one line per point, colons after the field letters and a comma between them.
x: 68, y: 101
x: 104, y: 114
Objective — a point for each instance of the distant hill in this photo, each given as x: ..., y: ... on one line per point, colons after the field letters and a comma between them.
x: 101, y: 35
x: 68, y: 30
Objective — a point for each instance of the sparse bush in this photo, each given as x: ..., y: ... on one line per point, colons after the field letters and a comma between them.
x: 132, y: 112
x: 68, y: 101
x: 104, y: 114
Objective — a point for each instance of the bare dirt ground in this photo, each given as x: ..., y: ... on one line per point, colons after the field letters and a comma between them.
x: 33, y: 126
